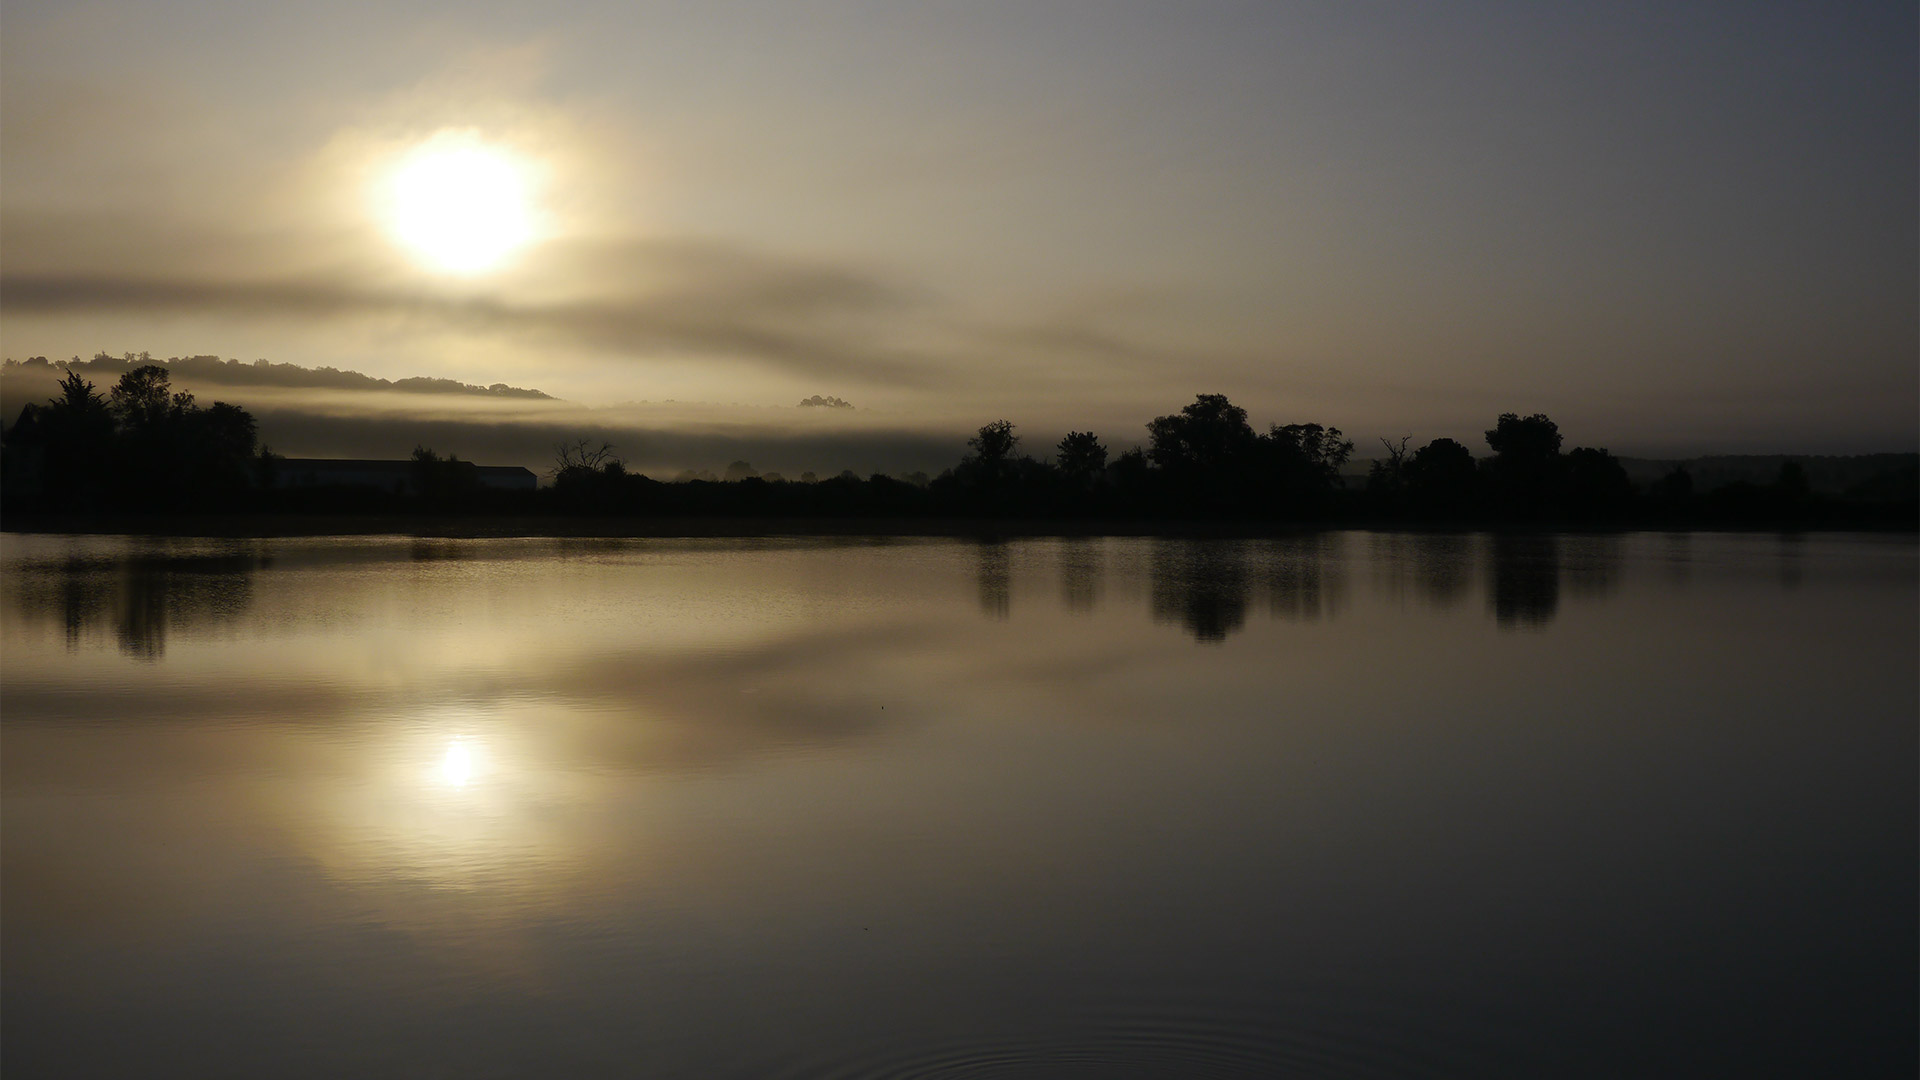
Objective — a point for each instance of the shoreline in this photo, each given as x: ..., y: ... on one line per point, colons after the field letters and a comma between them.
x: 268, y: 526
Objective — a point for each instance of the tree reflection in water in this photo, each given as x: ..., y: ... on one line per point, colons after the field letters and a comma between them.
x: 142, y: 597
x: 1792, y: 553
x: 1590, y: 564
x: 1525, y: 573
x: 1434, y: 568
x: 1080, y: 569
x: 1443, y: 567
x: 1201, y: 584
x: 1208, y: 585
x: 993, y: 569
x: 1528, y: 570
x: 1304, y: 576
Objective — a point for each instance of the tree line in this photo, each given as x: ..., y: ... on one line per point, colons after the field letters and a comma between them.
x: 1206, y: 462
x: 142, y: 447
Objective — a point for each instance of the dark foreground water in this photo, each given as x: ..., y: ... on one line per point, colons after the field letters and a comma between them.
x: 1340, y: 805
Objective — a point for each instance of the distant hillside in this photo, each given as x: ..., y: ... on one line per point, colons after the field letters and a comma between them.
x: 104, y: 371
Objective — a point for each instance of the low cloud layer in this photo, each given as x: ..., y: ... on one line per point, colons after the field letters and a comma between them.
x: 659, y: 450
x: 104, y: 370
x: 327, y: 413
x: 1070, y: 217
x: 677, y: 298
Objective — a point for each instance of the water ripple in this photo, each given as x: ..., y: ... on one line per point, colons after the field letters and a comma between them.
x: 1191, y: 1036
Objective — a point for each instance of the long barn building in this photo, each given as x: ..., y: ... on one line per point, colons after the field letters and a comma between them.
x: 399, y: 477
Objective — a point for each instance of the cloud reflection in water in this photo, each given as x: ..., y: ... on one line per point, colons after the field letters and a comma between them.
x: 649, y: 787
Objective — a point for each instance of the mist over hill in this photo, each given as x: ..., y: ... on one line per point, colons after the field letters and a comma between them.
x: 211, y: 371
x: 331, y: 413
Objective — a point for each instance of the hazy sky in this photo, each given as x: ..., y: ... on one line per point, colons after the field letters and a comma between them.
x: 1673, y: 227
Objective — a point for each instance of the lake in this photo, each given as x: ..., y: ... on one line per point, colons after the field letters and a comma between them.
x: 1332, y: 805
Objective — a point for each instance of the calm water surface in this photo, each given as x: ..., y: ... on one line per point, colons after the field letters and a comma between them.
x: 1339, y: 805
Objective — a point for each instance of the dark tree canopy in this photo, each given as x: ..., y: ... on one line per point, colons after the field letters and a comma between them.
x: 78, y: 398
x: 1534, y: 438
x: 142, y: 400
x: 995, y: 442
x: 1526, y: 472
x: 1213, y: 462
x: 1212, y: 433
x: 438, y: 479
x: 1307, y: 457
x: 1438, y: 462
x: 141, y: 447
x: 1595, y: 482
x: 1082, y: 457
x: 1675, y: 488
x: 1791, y: 481
x: 1387, y: 477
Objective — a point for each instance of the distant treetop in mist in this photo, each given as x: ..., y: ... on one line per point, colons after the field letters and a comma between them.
x: 262, y: 373
x: 816, y: 401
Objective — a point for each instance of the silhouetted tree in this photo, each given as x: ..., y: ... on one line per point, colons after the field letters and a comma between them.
x: 1596, y: 484
x: 217, y: 449
x: 78, y: 399
x: 438, y: 479
x: 1526, y: 465
x: 142, y: 401
x: 1303, y: 460
x: 1205, y: 456
x: 266, y: 466
x: 1210, y: 435
x: 1790, y: 484
x: 1675, y: 489
x: 1133, y: 476
x: 587, y: 475
x: 983, y: 478
x: 153, y: 448
x: 1441, y: 478
x: 994, y: 443
x: 1535, y: 438
x: 1082, y: 458
x: 580, y: 454
x: 1212, y: 460
x: 80, y: 448
x: 1387, y: 477
x: 63, y: 451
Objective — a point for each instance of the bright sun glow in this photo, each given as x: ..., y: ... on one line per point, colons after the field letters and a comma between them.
x: 460, y: 204
x: 457, y: 768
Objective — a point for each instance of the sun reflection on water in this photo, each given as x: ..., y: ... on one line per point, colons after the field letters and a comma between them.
x: 460, y: 765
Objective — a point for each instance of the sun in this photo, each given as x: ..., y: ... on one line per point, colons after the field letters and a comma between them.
x: 460, y: 204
